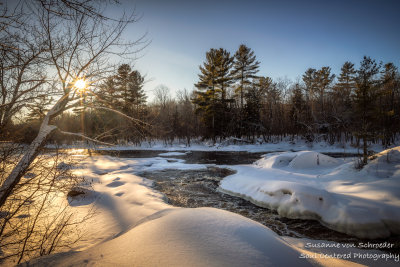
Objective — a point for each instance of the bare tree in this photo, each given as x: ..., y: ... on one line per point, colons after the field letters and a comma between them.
x: 21, y: 63
x: 37, y: 220
x: 76, y: 43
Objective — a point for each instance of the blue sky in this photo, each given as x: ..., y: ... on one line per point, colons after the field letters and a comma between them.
x: 287, y: 36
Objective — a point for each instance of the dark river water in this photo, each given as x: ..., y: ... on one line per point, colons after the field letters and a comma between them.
x: 199, y: 188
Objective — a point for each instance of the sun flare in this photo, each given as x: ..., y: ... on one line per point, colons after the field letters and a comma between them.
x: 80, y: 85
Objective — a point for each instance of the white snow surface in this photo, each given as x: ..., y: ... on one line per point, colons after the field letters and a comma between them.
x: 133, y: 226
x: 278, y: 144
x: 172, y: 154
x: 120, y: 197
x: 188, y: 237
x: 310, y: 185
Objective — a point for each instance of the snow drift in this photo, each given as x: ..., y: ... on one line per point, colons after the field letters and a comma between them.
x: 310, y: 185
x: 187, y: 237
x: 134, y: 226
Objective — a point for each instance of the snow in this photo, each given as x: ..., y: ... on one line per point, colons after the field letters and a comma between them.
x: 310, y: 185
x: 311, y: 159
x: 298, y: 160
x: 189, y: 237
x: 172, y: 154
x: 286, y: 144
x: 133, y: 225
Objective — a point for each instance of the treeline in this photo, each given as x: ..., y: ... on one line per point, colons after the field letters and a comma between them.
x: 232, y: 99
x: 358, y: 104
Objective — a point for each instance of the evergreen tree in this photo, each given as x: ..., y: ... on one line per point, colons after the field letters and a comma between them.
x: 270, y: 96
x: 124, y: 92
x: 364, y: 98
x: 245, y: 68
x: 341, y: 98
x: 107, y: 93
x: 122, y: 80
x: 253, y: 106
x: 208, y: 72
x: 136, y: 94
x: 214, y: 78
x: 346, y: 81
x: 316, y: 84
x: 310, y: 82
x: 298, y: 111
x: 324, y: 78
x: 223, y: 64
x: 208, y: 107
x: 128, y: 89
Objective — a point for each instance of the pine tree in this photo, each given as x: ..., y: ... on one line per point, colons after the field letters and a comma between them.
x: 122, y: 80
x: 364, y: 98
x: 346, y: 81
x: 128, y: 90
x: 310, y: 82
x: 316, y: 84
x: 106, y: 96
x: 298, y: 110
x: 223, y: 64
x: 206, y: 98
x: 136, y: 94
x: 245, y: 68
x: 214, y: 78
x: 208, y: 107
x: 270, y: 97
x: 208, y: 72
x: 342, y: 93
x: 324, y: 78
x: 252, y: 109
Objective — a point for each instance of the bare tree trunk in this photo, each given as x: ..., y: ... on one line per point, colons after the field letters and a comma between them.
x: 34, y: 148
x: 365, y: 150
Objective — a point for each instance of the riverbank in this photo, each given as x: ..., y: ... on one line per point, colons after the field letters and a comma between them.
x: 286, y: 144
x: 133, y: 223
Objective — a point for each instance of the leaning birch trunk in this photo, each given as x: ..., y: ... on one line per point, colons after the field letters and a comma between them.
x: 20, y: 169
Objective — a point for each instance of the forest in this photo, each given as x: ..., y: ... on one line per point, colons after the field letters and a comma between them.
x: 231, y: 101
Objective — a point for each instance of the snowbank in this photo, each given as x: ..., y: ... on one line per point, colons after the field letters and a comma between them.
x: 134, y: 226
x: 279, y: 144
x: 191, y: 237
x: 385, y: 165
x: 309, y: 185
x: 311, y: 159
x: 297, y: 160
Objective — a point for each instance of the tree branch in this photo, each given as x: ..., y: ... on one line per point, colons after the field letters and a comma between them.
x: 85, y: 137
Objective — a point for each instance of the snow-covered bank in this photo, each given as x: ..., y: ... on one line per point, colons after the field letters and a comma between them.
x: 189, y: 237
x: 134, y: 226
x: 208, y: 237
x: 120, y: 198
x: 281, y: 145
x: 310, y: 185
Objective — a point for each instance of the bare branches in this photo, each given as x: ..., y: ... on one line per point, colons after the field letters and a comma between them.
x: 85, y: 137
x: 34, y: 222
x: 69, y: 39
x: 119, y: 113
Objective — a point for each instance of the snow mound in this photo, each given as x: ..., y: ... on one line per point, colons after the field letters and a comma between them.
x: 312, y: 159
x: 309, y: 185
x: 297, y: 160
x: 385, y: 165
x: 276, y: 160
x: 187, y: 237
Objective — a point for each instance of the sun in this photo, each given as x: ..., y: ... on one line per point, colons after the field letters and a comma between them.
x: 80, y: 85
